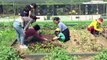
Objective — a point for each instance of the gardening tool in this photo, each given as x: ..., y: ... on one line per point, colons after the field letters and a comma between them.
x: 27, y: 25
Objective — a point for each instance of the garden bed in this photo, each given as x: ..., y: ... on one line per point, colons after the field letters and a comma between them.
x: 80, y: 42
x: 83, y: 41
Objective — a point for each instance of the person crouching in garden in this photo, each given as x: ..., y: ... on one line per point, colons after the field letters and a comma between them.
x: 95, y: 26
x: 32, y: 35
x: 63, y: 28
x: 59, y: 35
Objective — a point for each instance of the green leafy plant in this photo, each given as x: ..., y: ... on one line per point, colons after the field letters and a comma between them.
x: 59, y: 54
x: 101, y: 56
x: 8, y: 53
x: 42, y: 47
x: 7, y: 35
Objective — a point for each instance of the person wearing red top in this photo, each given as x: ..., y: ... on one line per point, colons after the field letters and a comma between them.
x: 33, y: 34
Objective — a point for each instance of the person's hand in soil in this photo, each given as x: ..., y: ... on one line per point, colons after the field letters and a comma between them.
x: 55, y: 38
x: 45, y: 39
x: 101, y: 30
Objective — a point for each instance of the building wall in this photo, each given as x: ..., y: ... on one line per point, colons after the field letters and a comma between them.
x: 71, y: 17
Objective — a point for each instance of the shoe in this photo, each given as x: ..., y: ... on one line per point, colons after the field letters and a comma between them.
x: 23, y: 46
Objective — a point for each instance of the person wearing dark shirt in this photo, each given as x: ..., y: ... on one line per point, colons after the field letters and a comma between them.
x: 32, y: 33
x: 28, y: 12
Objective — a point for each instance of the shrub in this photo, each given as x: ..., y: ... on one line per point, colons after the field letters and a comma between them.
x: 59, y: 54
x: 8, y: 53
x: 101, y: 56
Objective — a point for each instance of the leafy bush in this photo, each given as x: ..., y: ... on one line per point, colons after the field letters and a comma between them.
x: 3, y: 25
x: 59, y: 54
x: 6, y: 36
x: 7, y: 53
x: 101, y: 56
x: 46, y: 47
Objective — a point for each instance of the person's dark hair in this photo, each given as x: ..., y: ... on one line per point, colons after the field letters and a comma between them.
x: 28, y: 7
x: 36, y: 27
x: 34, y: 5
x: 56, y: 18
x: 25, y: 11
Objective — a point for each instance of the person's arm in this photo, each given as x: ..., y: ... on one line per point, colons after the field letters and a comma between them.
x: 55, y: 38
x: 61, y: 36
x: 38, y: 36
x: 96, y: 27
x: 33, y: 17
x: 30, y: 13
x: 27, y: 25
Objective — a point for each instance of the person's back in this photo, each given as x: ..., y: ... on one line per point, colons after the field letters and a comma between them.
x: 29, y: 32
x: 62, y: 26
x: 33, y: 32
x: 93, y: 23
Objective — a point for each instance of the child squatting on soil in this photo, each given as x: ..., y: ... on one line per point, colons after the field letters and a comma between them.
x: 95, y: 26
x: 59, y: 35
x: 63, y: 28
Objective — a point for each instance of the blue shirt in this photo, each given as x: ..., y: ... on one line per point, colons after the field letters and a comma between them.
x: 62, y: 26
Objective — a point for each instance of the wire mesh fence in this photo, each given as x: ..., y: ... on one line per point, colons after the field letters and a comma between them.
x: 11, y: 8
